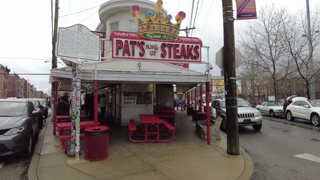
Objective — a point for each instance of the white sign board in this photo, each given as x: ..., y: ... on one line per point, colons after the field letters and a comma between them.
x: 78, y: 42
x: 219, y: 58
x: 271, y: 98
x: 129, y: 100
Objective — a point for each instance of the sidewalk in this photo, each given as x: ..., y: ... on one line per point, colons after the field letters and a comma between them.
x: 186, y: 158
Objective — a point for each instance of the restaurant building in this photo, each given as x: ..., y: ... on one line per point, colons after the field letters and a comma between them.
x: 142, y: 60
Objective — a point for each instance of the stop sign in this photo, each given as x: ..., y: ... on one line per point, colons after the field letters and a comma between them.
x: 219, y: 58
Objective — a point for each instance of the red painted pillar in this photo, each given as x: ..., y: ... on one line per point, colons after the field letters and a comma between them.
x: 195, y: 99
x: 208, y: 112
x: 95, y: 102
x: 188, y: 99
x: 55, y: 106
x: 200, y: 107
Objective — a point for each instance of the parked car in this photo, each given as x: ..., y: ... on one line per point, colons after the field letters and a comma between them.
x: 303, y: 109
x: 18, y: 126
x: 271, y: 108
x: 39, y: 108
x: 247, y: 115
x: 44, y: 107
x: 213, y: 97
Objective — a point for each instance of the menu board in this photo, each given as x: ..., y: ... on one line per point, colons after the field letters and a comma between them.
x: 133, y: 98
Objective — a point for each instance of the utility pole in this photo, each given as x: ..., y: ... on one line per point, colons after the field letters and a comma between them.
x: 55, y: 34
x: 186, y: 30
x: 230, y: 78
x: 311, y: 72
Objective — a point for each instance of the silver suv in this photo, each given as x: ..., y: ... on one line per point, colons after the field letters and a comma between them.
x: 247, y: 115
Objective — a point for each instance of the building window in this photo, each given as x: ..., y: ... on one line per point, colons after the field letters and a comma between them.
x: 132, y: 26
x: 114, y: 26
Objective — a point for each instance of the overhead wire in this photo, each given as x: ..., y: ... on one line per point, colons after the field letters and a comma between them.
x: 26, y: 58
x: 199, y: 16
x: 88, y: 17
x: 52, y: 18
x: 206, y: 18
x: 79, y: 11
x: 195, y: 17
x: 68, y: 12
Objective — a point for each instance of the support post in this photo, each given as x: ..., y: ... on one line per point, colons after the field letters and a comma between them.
x: 55, y: 104
x: 230, y: 78
x: 208, y: 113
x: 311, y: 71
x: 195, y: 99
x: 95, y: 101
x: 74, y: 150
x: 188, y: 99
x: 200, y: 108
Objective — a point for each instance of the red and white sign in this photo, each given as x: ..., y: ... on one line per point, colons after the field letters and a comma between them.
x: 129, y: 45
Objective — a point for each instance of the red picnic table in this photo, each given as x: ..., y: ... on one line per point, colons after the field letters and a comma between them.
x: 166, y: 112
x: 154, y: 122
x: 61, y: 127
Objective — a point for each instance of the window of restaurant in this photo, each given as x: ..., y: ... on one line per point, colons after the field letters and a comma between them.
x: 132, y: 26
x: 114, y: 26
x: 137, y: 98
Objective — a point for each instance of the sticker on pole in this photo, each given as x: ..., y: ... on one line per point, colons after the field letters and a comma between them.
x: 78, y: 42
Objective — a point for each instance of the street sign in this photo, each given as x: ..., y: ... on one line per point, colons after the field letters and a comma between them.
x: 219, y: 58
x: 78, y: 42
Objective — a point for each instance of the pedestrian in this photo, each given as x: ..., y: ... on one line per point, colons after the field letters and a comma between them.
x: 285, y: 105
x: 61, y: 108
x: 103, y: 106
x: 67, y: 104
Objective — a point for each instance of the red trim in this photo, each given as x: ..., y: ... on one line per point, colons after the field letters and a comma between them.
x: 201, y: 98
x: 55, y: 105
x: 195, y: 99
x: 95, y: 113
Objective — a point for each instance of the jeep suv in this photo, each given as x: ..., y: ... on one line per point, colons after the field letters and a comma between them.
x: 247, y: 115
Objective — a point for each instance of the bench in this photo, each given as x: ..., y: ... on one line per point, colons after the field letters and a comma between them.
x: 63, y: 141
x: 170, y: 128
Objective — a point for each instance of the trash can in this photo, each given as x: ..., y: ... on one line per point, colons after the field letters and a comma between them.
x: 96, y: 143
x: 189, y: 110
x: 194, y: 114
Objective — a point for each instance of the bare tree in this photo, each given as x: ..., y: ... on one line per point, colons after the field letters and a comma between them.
x: 296, y: 44
x: 262, y: 38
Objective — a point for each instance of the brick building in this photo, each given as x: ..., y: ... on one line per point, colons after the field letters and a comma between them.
x: 24, y: 87
x: 39, y: 94
x: 14, y: 86
x: 4, y: 76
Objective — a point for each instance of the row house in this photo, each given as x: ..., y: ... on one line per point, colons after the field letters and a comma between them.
x: 15, y: 86
x: 4, y: 76
x: 39, y: 94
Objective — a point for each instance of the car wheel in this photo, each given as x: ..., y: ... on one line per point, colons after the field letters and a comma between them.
x: 223, y: 125
x: 257, y: 127
x: 315, y: 120
x: 272, y: 113
x: 28, y: 151
x: 289, y: 116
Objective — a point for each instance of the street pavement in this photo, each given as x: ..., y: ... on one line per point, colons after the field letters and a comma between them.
x: 14, y: 167
x: 282, y: 151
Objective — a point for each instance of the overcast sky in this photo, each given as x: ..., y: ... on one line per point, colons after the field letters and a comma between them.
x: 26, y: 29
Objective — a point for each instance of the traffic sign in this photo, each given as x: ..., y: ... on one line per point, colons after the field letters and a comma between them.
x: 219, y: 58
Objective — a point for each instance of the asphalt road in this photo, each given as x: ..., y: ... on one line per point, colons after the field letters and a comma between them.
x: 14, y: 167
x: 283, y: 151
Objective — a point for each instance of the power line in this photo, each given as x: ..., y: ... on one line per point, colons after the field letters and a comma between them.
x: 88, y: 17
x: 199, y: 16
x: 68, y: 12
x: 207, y: 18
x: 25, y: 58
x: 195, y: 17
x: 79, y: 11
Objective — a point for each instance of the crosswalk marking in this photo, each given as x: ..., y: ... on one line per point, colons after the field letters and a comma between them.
x: 309, y: 157
x: 1, y: 164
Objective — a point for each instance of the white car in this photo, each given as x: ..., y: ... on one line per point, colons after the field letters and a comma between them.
x: 271, y: 108
x: 303, y: 109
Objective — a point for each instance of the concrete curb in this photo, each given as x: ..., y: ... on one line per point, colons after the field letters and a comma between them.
x: 249, y: 166
x: 32, y: 170
x: 292, y: 123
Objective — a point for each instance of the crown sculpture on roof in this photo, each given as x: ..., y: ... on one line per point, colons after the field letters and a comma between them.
x: 157, y: 26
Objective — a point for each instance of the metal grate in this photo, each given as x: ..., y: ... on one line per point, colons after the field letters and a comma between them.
x: 246, y: 115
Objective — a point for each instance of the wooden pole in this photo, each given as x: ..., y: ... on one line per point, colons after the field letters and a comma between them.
x: 230, y: 78
x: 55, y: 34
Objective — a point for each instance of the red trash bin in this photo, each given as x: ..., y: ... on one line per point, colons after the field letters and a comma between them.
x: 96, y: 143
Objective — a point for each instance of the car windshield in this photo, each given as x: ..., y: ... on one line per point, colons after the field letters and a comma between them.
x: 13, y: 108
x: 42, y: 102
x: 241, y: 103
x: 273, y: 104
x: 315, y: 103
x: 35, y: 103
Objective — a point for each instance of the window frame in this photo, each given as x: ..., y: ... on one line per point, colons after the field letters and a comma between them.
x: 134, y: 26
x: 111, y: 25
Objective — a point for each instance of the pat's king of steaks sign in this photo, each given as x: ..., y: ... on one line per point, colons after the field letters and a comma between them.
x: 156, y: 39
